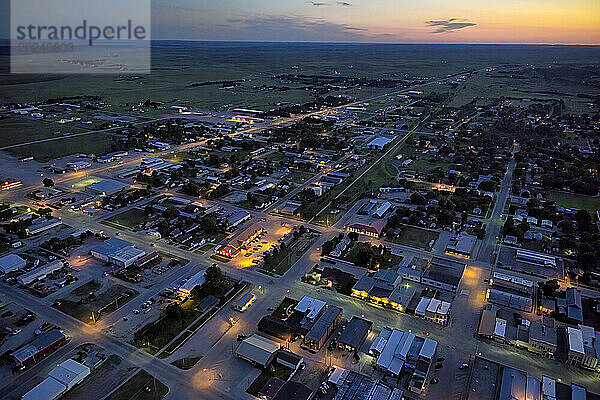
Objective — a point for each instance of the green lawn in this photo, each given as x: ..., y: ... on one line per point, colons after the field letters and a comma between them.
x: 275, y: 370
x: 280, y: 312
x: 298, y: 177
x: 94, y: 143
x: 80, y: 304
x: 589, y: 203
x: 128, y: 219
x: 186, y: 362
x: 141, y: 386
x: 414, y: 237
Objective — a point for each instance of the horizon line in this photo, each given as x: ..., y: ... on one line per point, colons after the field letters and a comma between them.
x: 352, y: 43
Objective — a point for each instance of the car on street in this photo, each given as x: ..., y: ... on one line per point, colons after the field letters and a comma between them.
x: 463, y: 366
x: 434, y: 381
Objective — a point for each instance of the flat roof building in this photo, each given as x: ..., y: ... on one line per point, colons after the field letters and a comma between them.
x: 323, y: 327
x: 355, y: 333
x: 106, y: 187
x: 11, y: 262
x: 257, y: 350
x: 311, y: 308
x: 33, y: 350
x: 462, y: 246
x: 533, y: 257
x: 39, y: 272
x: 197, y: 279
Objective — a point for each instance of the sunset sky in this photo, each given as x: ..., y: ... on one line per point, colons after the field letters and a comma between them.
x: 451, y: 21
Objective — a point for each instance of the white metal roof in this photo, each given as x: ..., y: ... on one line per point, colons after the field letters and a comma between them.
x: 575, y: 340
x: 257, y: 348
x: 311, y: 307
x: 500, y: 328
x: 48, y: 389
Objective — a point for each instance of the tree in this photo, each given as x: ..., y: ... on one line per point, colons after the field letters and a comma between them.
x: 549, y: 288
x: 174, y: 311
x: 418, y: 199
x: 170, y: 213
x: 48, y: 182
x: 163, y: 228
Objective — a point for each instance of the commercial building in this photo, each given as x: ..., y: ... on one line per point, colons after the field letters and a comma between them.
x: 244, y: 302
x: 257, y: 350
x: 533, y: 257
x: 404, y: 352
x: 118, y: 252
x: 79, y: 165
x: 434, y: 310
x: 437, y: 272
x: 37, y: 348
x: 236, y: 245
x: 323, y: 327
x: 289, y: 359
x: 11, y: 262
x: 294, y: 391
x: 581, y: 349
x: 106, y: 187
x: 355, y: 334
x: 373, y: 228
x: 311, y: 308
x: 462, y: 246
x: 383, y: 209
x: 384, y: 287
x: 197, y: 279
x: 235, y: 219
x: 270, y: 389
x: 354, y: 386
x: 543, y: 338
x: 42, y: 226
x: 380, y: 142
x: 149, y: 260
x: 510, y: 291
x: 40, y: 272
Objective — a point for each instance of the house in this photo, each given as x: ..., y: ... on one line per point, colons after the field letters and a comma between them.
x: 257, y: 350
x: 197, y: 279
x: 574, y: 305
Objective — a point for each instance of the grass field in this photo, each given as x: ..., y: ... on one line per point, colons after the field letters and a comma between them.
x: 298, y: 176
x: 141, y: 386
x: 186, y: 362
x: 128, y: 219
x: 415, y: 237
x: 91, y: 300
x: 589, y: 203
x: 277, y: 370
x: 94, y: 143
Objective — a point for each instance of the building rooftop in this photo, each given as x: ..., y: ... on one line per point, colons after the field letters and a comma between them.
x: 323, y: 323
x: 355, y: 332
x: 310, y: 307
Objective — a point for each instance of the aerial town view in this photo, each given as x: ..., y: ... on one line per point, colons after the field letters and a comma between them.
x: 295, y: 200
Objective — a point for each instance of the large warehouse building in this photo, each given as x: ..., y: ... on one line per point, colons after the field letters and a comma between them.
x: 59, y: 381
x: 117, y: 252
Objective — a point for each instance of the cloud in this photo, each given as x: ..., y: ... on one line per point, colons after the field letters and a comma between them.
x: 344, y: 4
x: 449, y: 25
x: 296, y: 28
